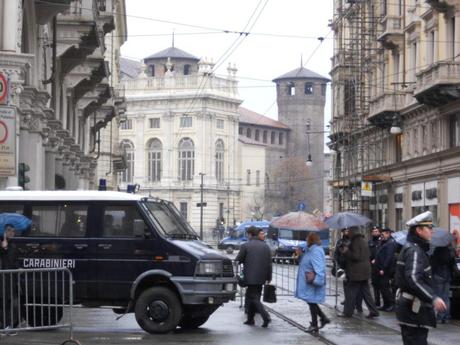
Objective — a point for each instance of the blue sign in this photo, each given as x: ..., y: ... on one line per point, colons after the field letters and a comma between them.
x: 301, y: 206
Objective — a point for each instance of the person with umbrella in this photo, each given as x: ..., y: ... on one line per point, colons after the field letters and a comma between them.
x: 7, y: 257
x: 416, y: 301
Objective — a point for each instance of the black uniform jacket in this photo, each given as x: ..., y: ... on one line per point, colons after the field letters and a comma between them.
x: 413, y: 278
x: 257, y: 262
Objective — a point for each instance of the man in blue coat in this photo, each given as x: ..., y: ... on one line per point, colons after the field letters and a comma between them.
x: 257, y: 269
x: 385, y: 265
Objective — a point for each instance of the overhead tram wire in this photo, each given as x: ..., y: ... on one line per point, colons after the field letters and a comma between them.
x: 227, y: 54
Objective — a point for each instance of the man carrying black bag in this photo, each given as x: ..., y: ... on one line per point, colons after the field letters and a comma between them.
x: 257, y: 269
x: 415, y: 300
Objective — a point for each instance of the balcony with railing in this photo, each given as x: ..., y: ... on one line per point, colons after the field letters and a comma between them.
x: 205, y: 83
x: 438, y: 84
x: 384, y: 107
x: 392, y: 34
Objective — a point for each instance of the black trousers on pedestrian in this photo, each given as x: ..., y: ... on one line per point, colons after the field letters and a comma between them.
x: 375, y: 282
x: 359, y: 298
x: 354, y: 288
x: 315, y: 311
x: 387, y: 293
x: 253, y: 294
x: 414, y: 335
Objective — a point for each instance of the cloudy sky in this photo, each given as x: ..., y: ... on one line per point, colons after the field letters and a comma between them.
x: 280, y: 33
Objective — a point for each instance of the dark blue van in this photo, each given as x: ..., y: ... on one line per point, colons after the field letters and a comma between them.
x: 133, y: 253
x: 284, y: 241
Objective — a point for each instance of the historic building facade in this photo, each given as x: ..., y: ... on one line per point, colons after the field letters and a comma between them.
x: 396, y: 123
x: 185, y: 128
x: 55, y: 58
x: 181, y: 134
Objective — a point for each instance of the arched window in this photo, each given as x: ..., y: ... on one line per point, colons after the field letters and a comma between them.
x: 186, y: 159
x: 154, y: 160
x: 220, y: 160
x: 128, y: 148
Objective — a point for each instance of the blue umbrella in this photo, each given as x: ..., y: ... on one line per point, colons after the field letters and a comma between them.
x: 16, y: 220
x: 344, y: 220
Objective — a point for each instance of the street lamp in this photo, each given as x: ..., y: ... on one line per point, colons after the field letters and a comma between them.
x: 396, y: 126
x: 309, y: 162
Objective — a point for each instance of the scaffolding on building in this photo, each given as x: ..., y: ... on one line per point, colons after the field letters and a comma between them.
x: 357, y: 141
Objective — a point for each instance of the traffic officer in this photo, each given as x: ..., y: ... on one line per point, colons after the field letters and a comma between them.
x: 416, y: 303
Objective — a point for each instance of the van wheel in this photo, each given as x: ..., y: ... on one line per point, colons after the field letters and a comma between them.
x: 158, y: 310
x: 192, y: 322
x: 46, y: 316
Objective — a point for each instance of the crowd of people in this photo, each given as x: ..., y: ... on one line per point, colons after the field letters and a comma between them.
x: 412, y: 280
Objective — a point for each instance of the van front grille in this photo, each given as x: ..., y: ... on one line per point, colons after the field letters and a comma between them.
x: 228, y: 269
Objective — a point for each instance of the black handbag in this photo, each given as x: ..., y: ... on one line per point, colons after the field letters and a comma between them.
x: 240, y: 280
x: 269, y: 293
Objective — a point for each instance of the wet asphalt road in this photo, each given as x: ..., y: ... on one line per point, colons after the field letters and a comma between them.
x: 225, y: 326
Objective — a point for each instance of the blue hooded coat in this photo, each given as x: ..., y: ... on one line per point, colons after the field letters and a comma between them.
x: 313, y: 260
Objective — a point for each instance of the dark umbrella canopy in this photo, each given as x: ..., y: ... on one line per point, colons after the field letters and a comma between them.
x: 299, y: 221
x: 440, y: 238
x: 16, y: 220
x: 344, y: 220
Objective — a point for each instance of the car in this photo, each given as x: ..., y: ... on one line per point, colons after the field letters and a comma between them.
x: 234, y: 242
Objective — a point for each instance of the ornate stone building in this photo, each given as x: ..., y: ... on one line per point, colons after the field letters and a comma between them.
x: 396, y: 123
x: 56, y: 59
x: 181, y: 131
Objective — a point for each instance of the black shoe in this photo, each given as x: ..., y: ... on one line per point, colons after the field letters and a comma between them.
x: 372, y: 315
x: 389, y: 309
x: 346, y: 316
x: 249, y: 322
x: 342, y: 303
x: 323, y: 322
x: 383, y: 307
x: 266, y: 322
x: 360, y: 311
x: 312, y: 329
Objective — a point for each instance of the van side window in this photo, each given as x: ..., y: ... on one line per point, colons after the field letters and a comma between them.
x: 63, y: 220
x: 119, y: 220
x: 11, y: 208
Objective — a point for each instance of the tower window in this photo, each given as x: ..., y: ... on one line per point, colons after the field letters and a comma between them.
x: 272, y: 138
x: 290, y: 89
x: 256, y: 135
x: 248, y: 132
x: 152, y: 70
x: 186, y: 69
x: 308, y: 88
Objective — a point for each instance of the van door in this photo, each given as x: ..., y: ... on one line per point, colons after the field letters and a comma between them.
x: 57, y: 238
x: 122, y: 254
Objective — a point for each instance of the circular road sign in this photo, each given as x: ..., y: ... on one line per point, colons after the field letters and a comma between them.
x: 3, y: 132
x: 3, y: 87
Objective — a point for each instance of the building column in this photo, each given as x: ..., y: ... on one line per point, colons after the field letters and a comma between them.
x: 9, y: 25
x: 457, y: 32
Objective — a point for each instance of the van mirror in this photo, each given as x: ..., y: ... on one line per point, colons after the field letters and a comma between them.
x: 139, y: 228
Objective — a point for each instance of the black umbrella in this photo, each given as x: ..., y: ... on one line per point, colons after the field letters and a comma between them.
x: 344, y: 220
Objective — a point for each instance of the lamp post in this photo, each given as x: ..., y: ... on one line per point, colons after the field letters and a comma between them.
x: 309, y: 162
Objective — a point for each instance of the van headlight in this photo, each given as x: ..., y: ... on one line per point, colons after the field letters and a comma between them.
x: 209, y: 268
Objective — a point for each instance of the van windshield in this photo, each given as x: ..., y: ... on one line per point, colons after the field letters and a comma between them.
x: 169, y: 220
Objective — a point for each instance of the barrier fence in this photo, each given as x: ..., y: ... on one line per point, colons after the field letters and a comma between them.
x: 284, y: 277
x: 36, y: 299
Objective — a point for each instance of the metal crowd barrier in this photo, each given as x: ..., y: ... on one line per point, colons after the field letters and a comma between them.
x: 284, y: 277
x: 36, y: 299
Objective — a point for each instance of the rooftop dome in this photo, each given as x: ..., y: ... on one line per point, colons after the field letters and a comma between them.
x: 173, y: 53
x: 301, y: 73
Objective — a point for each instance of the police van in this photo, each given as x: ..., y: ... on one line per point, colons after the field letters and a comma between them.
x: 133, y: 253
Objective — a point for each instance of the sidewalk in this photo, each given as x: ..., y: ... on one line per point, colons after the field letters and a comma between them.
x: 359, y: 330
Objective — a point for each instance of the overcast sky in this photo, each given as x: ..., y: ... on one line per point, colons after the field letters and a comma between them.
x: 281, y: 31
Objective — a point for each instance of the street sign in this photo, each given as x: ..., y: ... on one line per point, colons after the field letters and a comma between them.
x: 367, y: 188
x: 301, y: 206
x: 204, y: 204
x: 3, y: 88
x: 7, y: 141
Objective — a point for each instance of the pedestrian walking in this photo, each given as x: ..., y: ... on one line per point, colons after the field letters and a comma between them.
x: 311, y: 281
x: 257, y: 270
x: 374, y: 245
x: 416, y: 301
x: 443, y: 266
x: 358, y: 272
x: 385, y: 266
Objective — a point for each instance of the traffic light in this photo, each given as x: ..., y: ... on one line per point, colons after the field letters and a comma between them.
x: 23, y: 179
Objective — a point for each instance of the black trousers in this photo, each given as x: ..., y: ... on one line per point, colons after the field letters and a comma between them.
x: 387, y: 293
x: 315, y: 311
x: 253, y: 294
x: 414, y: 335
x: 354, y: 288
x: 359, y: 298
